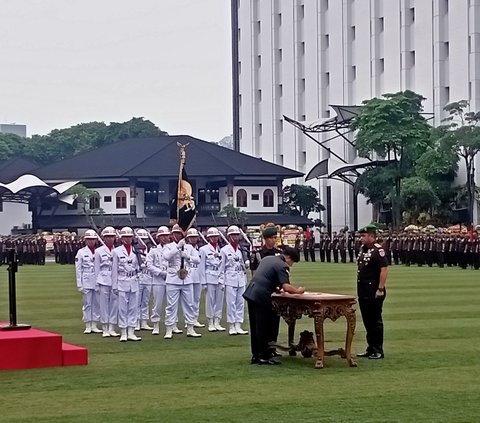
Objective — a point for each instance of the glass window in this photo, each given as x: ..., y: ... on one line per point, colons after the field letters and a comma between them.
x: 241, y: 198
x: 121, y: 200
x: 268, y: 198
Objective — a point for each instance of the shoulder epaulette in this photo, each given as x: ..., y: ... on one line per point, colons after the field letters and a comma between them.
x: 378, y: 245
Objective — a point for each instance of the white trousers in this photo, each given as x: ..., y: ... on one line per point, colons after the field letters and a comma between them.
x: 127, y: 309
x: 144, y: 301
x: 235, y: 304
x: 96, y: 306
x: 197, y: 294
x: 88, y: 305
x: 175, y: 295
x: 214, y: 301
x: 158, y: 297
x: 108, y: 305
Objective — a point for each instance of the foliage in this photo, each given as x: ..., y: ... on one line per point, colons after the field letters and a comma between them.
x: 392, y: 126
x: 60, y: 144
x: 301, y: 200
x: 234, y: 215
x: 418, y: 195
x: 82, y: 196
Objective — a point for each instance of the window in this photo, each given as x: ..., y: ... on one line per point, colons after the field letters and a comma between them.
x: 121, y: 200
x: 352, y: 33
x: 94, y: 202
x: 279, y: 55
x: 268, y: 198
x: 259, y: 96
x: 259, y: 61
x: 258, y: 27
x: 241, y: 198
x: 107, y: 199
x: 255, y: 197
x: 380, y: 24
x: 259, y: 129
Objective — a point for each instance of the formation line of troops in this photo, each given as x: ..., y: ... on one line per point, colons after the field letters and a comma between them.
x: 132, y: 286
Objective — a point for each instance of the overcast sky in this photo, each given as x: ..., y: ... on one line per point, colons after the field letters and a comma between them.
x: 64, y: 62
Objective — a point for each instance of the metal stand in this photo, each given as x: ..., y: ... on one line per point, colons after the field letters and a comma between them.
x: 12, y: 297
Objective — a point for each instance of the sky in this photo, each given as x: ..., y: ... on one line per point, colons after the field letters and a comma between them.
x: 64, y: 62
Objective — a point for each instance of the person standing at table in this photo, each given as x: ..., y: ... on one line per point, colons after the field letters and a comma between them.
x: 271, y: 276
x: 371, y: 279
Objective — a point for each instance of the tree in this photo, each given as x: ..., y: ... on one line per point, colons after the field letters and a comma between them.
x: 393, y: 127
x: 301, y: 200
x: 417, y: 196
x: 234, y: 215
x: 82, y: 196
x: 462, y: 133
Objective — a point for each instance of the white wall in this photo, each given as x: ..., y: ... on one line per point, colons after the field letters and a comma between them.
x: 14, y: 214
x: 111, y: 207
x: 256, y: 206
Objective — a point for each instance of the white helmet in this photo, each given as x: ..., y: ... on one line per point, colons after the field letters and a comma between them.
x: 192, y: 232
x: 176, y: 228
x: 126, y: 231
x: 212, y: 232
x: 142, y: 234
x: 109, y: 231
x: 233, y: 230
x: 163, y: 230
x: 90, y: 234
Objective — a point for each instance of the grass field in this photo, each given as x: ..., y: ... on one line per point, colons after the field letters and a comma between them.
x: 430, y: 373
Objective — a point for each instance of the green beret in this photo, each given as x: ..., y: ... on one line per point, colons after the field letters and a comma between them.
x: 370, y: 228
x: 269, y: 231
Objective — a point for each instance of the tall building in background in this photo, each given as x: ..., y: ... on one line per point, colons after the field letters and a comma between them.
x: 13, y: 128
x: 296, y: 57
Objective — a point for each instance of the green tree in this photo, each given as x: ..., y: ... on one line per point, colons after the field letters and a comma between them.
x: 234, y: 215
x: 461, y: 132
x: 393, y: 127
x: 417, y: 196
x: 301, y: 200
x: 83, y: 195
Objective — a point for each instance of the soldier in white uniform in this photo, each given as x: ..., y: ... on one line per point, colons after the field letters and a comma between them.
x: 125, y: 267
x: 233, y: 277
x: 157, y: 266
x: 209, y: 272
x: 103, y: 275
x: 145, y: 280
x: 179, y: 283
x: 192, y: 239
x: 86, y: 283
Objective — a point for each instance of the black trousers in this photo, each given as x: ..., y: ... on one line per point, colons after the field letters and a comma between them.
x: 322, y: 255
x: 262, y: 323
x: 371, y: 310
x: 305, y: 253
x: 312, y: 254
x: 350, y: 255
x: 335, y: 255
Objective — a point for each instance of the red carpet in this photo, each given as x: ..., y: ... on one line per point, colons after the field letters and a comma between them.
x: 34, y: 348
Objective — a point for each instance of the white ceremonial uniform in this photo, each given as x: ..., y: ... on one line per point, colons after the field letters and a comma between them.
x: 209, y: 273
x: 233, y: 277
x: 157, y: 266
x: 197, y: 284
x: 145, y: 280
x: 179, y: 290
x: 85, y: 272
x: 103, y: 275
x: 125, y: 281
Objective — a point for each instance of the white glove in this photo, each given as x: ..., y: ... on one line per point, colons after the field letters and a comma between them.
x: 184, y: 254
x: 80, y: 289
x: 247, y: 264
x: 181, y: 244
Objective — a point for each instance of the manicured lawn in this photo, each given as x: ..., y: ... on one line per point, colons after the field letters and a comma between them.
x: 430, y: 374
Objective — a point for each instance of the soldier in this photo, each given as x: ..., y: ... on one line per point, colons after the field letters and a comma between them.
x: 125, y: 267
x: 233, y: 277
x: 342, y: 247
x: 157, y: 265
x: 209, y: 276
x: 395, y: 248
x: 371, y: 280
x: 335, y: 247
x: 305, y: 243
x: 192, y: 239
x: 311, y: 245
x: 328, y: 248
x: 179, y: 286
x: 462, y: 251
x: 86, y: 282
x: 440, y: 248
x: 322, y: 248
x: 2, y: 250
x: 108, y: 301
x: 145, y: 280
x: 387, y: 243
x: 351, y: 246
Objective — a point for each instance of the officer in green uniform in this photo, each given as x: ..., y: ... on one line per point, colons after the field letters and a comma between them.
x: 371, y: 279
x: 271, y: 276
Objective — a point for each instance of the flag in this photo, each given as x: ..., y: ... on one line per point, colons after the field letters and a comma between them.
x: 182, y: 208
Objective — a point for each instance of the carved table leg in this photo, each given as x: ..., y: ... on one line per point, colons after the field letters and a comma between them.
x: 291, y: 336
x: 320, y: 347
x: 351, y: 321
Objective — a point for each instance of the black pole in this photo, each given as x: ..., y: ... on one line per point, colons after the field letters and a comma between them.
x: 235, y: 76
x: 12, y: 296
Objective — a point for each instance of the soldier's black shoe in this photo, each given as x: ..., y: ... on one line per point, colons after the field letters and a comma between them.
x: 375, y: 356
x: 364, y: 354
x: 275, y: 353
x: 254, y: 360
x: 269, y: 362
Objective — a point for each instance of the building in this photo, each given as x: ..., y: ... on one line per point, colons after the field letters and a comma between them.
x: 298, y: 57
x: 136, y: 180
x: 13, y: 128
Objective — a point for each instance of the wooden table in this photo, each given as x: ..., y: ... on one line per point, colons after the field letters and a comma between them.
x: 319, y: 306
